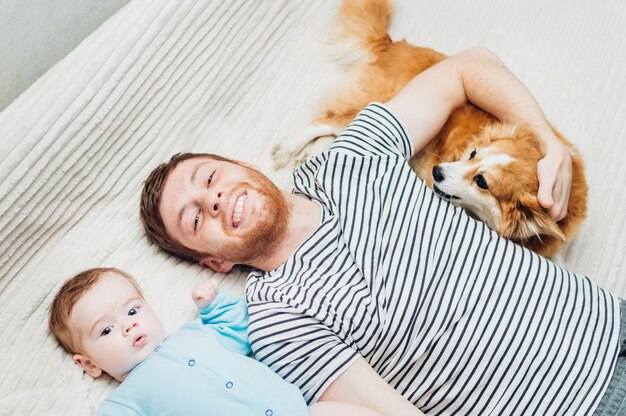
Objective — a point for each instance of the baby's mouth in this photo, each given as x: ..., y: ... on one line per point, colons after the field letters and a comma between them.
x: 139, y: 341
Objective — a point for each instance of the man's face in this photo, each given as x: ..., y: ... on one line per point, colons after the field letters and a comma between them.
x: 232, y: 212
x: 114, y: 327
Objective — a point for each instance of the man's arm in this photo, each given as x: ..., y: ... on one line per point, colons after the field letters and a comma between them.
x: 478, y: 76
x: 362, y: 386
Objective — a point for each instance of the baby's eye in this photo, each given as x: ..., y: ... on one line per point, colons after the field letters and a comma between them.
x: 473, y: 154
x: 132, y: 311
x: 195, y: 222
x: 211, y: 178
x: 106, y: 331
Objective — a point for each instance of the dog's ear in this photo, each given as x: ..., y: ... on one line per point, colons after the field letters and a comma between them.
x: 526, y: 219
x: 485, y: 137
x: 461, y: 135
x: 498, y: 131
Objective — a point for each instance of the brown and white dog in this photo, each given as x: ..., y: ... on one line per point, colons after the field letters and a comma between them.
x: 476, y: 162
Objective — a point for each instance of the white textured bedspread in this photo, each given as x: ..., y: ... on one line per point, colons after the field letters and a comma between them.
x: 233, y: 77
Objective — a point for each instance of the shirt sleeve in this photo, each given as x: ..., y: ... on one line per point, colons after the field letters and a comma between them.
x: 299, y: 348
x: 375, y: 131
x: 229, y: 318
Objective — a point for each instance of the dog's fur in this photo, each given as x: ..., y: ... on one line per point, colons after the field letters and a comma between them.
x: 472, y: 142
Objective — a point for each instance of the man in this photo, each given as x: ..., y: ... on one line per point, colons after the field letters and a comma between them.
x: 371, y: 290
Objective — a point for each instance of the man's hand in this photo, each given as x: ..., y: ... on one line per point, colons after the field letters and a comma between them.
x: 478, y: 76
x: 555, y: 179
x: 204, y: 293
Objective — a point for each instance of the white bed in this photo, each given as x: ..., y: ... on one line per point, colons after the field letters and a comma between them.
x: 233, y: 77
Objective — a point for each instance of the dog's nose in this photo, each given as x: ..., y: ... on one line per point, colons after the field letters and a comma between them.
x: 437, y: 174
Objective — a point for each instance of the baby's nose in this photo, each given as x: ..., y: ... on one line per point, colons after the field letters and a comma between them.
x: 130, y: 326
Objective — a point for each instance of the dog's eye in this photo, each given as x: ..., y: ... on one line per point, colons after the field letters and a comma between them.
x: 473, y: 154
x: 481, y: 182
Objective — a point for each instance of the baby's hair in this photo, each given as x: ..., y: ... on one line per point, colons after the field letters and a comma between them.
x: 65, y: 299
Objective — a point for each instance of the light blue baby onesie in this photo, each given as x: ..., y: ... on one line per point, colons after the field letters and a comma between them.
x: 202, y: 369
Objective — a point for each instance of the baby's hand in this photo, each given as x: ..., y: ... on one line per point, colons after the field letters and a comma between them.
x: 204, y: 293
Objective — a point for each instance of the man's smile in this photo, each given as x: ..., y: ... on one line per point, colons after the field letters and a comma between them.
x: 237, y: 210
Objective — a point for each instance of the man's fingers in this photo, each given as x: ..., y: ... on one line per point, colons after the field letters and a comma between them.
x: 559, y: 210
x: 546, y: 184
x: 554, y: 172
x: 544, y: 196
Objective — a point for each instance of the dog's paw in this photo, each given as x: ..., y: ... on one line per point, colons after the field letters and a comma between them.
x: 281, y: 156
x: 294, y: 150
x: 299, y: 161
x: 318, y: 146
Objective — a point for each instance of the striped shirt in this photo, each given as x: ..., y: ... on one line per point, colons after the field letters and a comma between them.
x: 455, y: 318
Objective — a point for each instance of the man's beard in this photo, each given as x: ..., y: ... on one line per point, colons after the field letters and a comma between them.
x: 261, y: 239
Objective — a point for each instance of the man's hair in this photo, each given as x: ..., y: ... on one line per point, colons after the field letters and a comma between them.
x: 151, y: 202
x: 65, y: 299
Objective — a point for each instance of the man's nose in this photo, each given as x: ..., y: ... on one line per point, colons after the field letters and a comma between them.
x: 214, y: 202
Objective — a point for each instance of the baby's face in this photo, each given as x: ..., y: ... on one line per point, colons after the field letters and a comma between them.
x: 114, y: 327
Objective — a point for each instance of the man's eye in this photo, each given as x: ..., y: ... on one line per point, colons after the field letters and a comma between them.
x: 106, y: 331
x: 473, y: 154
x: 481, y: 181
x: 132, y: 311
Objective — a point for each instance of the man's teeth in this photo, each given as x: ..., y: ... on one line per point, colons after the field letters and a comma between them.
x: 238, y: 210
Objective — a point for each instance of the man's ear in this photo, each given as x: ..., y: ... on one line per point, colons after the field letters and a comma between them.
x: 246, y: 164
x: 216, y: 265
x: 86, y: 364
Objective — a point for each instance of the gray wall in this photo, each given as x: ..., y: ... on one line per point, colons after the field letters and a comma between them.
x: 36, y: 34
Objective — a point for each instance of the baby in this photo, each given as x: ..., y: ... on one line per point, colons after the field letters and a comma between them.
x: 101, y: 317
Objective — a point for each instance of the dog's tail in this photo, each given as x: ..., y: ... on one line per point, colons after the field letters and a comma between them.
x: 362, y: 31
